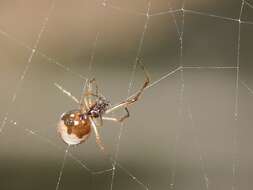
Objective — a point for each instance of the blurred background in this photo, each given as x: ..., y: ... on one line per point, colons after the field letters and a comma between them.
x: 174, y: 139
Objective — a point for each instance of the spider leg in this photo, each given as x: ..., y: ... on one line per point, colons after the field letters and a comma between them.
x: 133, y: 98
x: 86, y: 101
x: 83, y: 100
x: 119, y: 120
x: 98, y: 139
x: 98, y: 121
x: 89, y: 93
x: 84, y: 105
x: 93, y: 81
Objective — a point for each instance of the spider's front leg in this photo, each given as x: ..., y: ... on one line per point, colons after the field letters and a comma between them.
x: 86, y: 101
x: 89, y: 92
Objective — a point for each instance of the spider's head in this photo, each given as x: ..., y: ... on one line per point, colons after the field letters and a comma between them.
x: 99, y: 107
x: 103, y: 102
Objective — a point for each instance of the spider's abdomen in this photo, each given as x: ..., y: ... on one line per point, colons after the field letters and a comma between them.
x: 74, y: 128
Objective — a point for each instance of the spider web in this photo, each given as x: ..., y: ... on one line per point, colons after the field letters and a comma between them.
x: 192, y: 127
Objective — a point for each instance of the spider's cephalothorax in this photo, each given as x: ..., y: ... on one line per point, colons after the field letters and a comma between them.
x: 98, y: 108
x: 74, y: 127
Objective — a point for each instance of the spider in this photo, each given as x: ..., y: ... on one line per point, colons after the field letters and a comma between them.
x: 75, y: 126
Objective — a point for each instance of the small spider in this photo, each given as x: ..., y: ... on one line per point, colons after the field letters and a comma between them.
x: 75, y: 126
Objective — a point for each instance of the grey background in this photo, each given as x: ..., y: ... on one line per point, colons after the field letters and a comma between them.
x: 158, y: 141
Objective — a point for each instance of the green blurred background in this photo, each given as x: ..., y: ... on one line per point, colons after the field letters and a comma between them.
x: 159, y: 145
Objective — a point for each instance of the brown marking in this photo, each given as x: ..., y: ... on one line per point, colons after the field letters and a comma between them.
x: 82, y: 129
